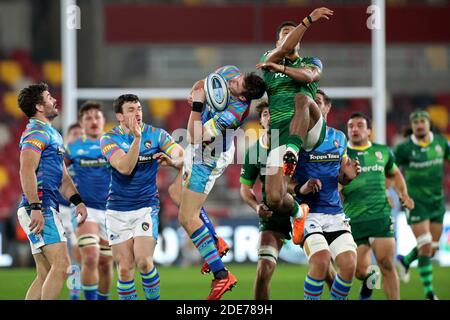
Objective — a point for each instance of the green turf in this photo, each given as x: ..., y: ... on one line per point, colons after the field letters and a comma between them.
x: 179, y: 283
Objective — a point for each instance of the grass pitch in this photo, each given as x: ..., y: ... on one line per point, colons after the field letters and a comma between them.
x: 186, y: 283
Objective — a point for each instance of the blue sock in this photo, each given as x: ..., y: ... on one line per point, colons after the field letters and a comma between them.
x: 75, y: 294
x: 340, y: 289
x: 313, y: 288
x: 205, y: 245
x: 102, y: 296
x: 208, y: 224
x: 150, y: 284
x: 90, y: 291
x: 126, y: 290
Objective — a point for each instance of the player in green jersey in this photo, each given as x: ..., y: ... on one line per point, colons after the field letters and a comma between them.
x: 296, y: 119
x: 422, y: 157
x: 366, y: 204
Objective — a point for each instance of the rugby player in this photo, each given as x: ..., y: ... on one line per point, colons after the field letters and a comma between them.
x: 422, y: 158
x: 42, y: 173
x: 204, y: 163
x: 134, y: 149
x: 371, y: 219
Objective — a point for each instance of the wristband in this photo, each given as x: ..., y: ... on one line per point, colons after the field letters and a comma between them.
x: 306, y: 22
x: 197, y: 106
x: 76, y: 199
x: 309, y: 19
x: 36, y: 206
x: 297, y: 190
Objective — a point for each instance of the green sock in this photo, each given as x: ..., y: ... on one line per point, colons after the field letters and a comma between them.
x: 294, y: 142
x: 411, y: 256
x: 426, y: 273
x: 295, y: 210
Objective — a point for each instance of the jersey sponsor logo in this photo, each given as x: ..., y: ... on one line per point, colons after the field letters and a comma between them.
x: 426, y: 164
x: 280, y: 75
x: 375, y: 168
x: 145, y: 158
x: 108, y: 147
x: 379, y: 155
x: 324, y: 157
x: 93, y: 162
x: 148, y: 144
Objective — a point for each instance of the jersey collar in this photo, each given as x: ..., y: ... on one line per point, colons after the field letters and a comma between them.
x: 359, y: 148
x: 422, y: 144
x: 39, y: 121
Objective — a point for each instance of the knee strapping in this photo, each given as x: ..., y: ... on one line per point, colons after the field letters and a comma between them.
x: 105, y: 250
x: 314, y: 243
x: 342, y: 244
x: 424, y: 239
x: 88, y: 240
x: 269, y: 253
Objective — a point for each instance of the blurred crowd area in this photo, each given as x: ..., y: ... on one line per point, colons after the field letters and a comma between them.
x: 417, y: 78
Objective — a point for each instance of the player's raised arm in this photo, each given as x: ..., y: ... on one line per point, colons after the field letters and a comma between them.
x: 307, y: 74
x: 296, y: 35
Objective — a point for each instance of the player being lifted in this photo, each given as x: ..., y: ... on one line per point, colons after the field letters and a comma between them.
x: 295, y: 117
x: 92, y: 176
x: 370, y: 219
x: 42, y: 173
x: 202, y: 166
x: 327, y: 231
x: 422, y: 157
x: 133, y: 149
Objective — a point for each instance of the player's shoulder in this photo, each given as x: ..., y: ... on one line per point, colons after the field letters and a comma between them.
x: 312, y: 61
x: 380, y: 146
x: 113, y: 133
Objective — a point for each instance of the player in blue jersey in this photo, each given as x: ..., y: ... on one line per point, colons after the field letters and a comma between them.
x: 42, y: 173
x: 327, y: 234
x: 209, y: 153
x: 92, y: 176
x: 134, y: 150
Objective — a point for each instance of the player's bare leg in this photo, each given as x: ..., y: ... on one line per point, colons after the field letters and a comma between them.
x: 424, y: 245
x: 58, y: 257
x: 144, y: 248
x: 436, y: 233
x: 42, y: 269
x: 306, y: 115
x: 270, y: 243
x: 363, y: 261
x: 105, y: 270
x: 191, y: 204
x: 384, y: 250
x: 88, y: 242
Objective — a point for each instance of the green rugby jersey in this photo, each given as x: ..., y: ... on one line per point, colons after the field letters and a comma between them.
x: 424, y: 168
x: 281, y: 90
x: 365, y: 197
x: 254, y: 162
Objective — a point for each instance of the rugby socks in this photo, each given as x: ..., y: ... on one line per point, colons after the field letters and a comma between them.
x: 205, y: 245
x: 294, y: 143
x: 126, y: 290
x: 150, y: 284
x: 340, y: 289
x: 313, y: 288
x: 410, y: 257
x: 102, y: 296
x: 75, y: 294
x: 426, y: 274
x: 90, y: 291
x: 208, y: 224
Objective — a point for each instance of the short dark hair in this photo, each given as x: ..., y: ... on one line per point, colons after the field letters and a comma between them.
x: 282, y: 25
x: 118, y: 103
x: 89, y: 105
x: 326, y: 98
x: 254, y: 87
x: 73, y: 126
x: 30, y: 96
x: 364, y: 116
x: 260, y: 107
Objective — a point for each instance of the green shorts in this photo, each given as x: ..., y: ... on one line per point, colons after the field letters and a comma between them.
x: 279, y: 223
x: 379, y: 228
x: 421, y: 212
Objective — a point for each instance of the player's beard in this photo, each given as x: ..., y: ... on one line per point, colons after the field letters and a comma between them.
x: 50, y: 112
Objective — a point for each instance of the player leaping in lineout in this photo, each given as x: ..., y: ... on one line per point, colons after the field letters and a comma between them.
x: 295, y: 116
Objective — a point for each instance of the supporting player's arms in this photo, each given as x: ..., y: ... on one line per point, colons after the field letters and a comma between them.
x: 295, y: 36
x: 173, y: 159
x: 350, y: 169
x: 305, y: 74
x: 125, y: 162
x: 68, y: 190
x: 248, y: 195
x: 399, y: 184
x: 29, y: 162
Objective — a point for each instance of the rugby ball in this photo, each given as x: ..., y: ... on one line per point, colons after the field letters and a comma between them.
x: 216, y: 90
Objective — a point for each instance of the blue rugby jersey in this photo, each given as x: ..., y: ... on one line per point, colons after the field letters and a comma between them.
x: 92, y: 173
x: 323, y: 163
x: 233, y: 116
x: 42, y: 138
x: 137, y: 190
